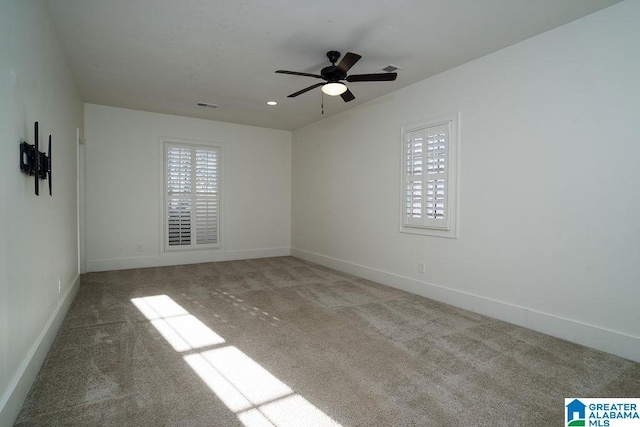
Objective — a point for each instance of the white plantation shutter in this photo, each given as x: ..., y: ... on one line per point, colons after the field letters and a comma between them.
x: 206, y: 197
x: 414, y: 185
x: 436, y: 177
x: 192, y: 195
x: 429, y: 176
x: 178, y: 196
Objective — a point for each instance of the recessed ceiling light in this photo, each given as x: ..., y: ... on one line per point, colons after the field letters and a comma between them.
x: 272, y: 103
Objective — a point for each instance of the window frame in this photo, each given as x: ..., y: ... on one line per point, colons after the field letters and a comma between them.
x: 164, y: 143
x: 449, y: 228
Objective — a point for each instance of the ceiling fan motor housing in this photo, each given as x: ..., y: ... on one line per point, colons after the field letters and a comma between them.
x: 332, y: 74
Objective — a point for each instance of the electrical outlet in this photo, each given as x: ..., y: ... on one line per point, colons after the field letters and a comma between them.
x: 59, y: 285
x: 140, y: 247
x: 421, y: 267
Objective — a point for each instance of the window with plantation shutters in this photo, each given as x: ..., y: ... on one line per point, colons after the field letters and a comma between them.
x: 192, y: 196
x: 429, y: 176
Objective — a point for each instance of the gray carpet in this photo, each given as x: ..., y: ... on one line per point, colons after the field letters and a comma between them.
x: 280, y: 341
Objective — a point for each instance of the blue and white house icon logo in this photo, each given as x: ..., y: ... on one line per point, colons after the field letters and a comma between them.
x: 576, y: 413
x: 602, y: 412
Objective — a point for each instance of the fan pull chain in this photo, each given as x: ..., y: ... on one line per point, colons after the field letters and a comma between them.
x: 322, y: 102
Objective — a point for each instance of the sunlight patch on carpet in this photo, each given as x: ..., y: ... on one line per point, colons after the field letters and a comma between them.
x: 256, y: 396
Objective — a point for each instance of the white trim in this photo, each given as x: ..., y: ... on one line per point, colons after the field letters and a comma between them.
x: 185, y: 257
x: 12, y: 400
x: 80, y: 199
x: 614, y: 342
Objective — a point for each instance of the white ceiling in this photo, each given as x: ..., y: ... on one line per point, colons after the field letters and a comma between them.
x: 166, y: 55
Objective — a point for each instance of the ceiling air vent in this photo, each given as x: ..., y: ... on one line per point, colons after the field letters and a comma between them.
x: 391, y: 68
x: 206, y: 104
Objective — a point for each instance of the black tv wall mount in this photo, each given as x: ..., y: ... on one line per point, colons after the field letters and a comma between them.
x: 35, y: 163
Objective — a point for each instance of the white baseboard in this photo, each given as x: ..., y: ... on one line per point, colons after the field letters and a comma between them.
x: 181, y: 258
x: 603, y: 339
x: 13, y: 399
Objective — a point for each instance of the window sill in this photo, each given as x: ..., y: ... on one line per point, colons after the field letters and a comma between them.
x: 173, y: 249
x: 433, y: 232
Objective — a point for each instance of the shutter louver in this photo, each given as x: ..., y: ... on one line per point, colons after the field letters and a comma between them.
x: 435, y: 198
x: 192, y: 195
x: 206, y: 221
x: 414, y: 199
x: 179, y: 221
x: 178, y: 170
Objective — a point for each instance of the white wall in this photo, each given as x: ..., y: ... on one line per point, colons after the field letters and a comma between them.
x: 124, y: 178
x: 38, y: 239
x: 549, y: 203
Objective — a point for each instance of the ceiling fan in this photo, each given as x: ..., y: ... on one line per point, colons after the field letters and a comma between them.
x: 335, y: 74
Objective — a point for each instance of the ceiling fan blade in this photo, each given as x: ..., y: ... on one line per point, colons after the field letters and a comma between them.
x: 300, y: 92
x: 295, y: 73
x: 348, y: 96
x: 376, y: 77
x: 348, y: 61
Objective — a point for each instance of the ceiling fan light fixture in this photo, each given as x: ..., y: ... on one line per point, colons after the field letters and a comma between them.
x: 334, y: 89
